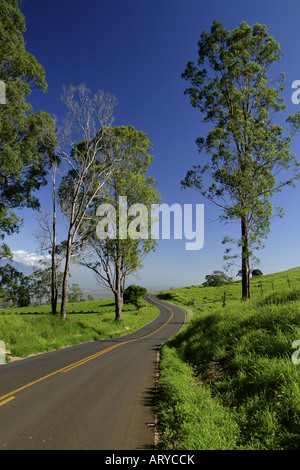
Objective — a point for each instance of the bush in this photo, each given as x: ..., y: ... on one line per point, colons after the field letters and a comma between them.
x: 133, y: 293
x: 216, y: 279
x: 256, y: 272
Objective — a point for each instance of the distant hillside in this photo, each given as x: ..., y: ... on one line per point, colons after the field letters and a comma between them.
x: 23, y: 268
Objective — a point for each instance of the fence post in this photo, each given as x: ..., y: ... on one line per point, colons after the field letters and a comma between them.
x: 262, y: 287
x: 224, y: 299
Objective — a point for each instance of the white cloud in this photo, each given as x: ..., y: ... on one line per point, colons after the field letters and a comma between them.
x: 29, y: 259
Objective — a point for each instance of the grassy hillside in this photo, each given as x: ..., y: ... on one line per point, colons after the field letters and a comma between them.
x: 200, y: 297
x: 227, y: 379
x: 31, y: 330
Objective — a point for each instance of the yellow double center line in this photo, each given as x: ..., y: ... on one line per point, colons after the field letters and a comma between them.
x: 10, y: 396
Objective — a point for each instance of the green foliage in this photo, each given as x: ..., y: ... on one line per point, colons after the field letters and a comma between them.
x: 132, y: 148
x: 41, y: 284
x: 5, y: 252
x: 25, y: 137
x: 256, y: 272
x: 15, y: 287
x: 75, y: 293
x: 133, y: 293
x: 217, y: 279
x: 21, y: 291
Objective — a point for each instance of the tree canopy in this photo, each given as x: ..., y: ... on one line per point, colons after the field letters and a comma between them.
x: 133, y: 293
x: 114, y: 256
x: 25, y: 137
x: 216, y: 279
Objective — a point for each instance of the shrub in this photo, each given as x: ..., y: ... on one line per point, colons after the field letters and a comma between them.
x: 133, y: 293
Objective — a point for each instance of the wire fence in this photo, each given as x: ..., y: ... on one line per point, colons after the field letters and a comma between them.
x: 268, y: 286
x: 259, y: 287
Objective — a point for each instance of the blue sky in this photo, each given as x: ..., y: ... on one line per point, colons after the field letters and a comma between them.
x: 137, y: 50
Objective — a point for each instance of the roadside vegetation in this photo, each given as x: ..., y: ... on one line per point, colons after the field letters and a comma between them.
x: 230, y: 379
x: 32, y: 330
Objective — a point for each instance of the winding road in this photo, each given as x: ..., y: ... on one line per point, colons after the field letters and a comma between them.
x: 96, y: 395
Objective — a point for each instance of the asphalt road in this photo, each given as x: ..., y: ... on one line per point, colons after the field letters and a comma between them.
x: 96, y: 395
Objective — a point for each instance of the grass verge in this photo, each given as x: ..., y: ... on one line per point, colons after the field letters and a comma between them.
x: 33, y: 330
x: 228, y: 380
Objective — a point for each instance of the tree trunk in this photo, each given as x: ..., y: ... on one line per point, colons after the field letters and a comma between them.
x: 245, y: 260
x: 65, y: 286
x: 118, y: 307
x: 118, y: 292
x: 54, y: 292
x: 53, y: 286
x: 53, y: 260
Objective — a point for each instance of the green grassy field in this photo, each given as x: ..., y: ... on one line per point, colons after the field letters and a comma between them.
x: 31, y: 330
x: 227, y: 379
